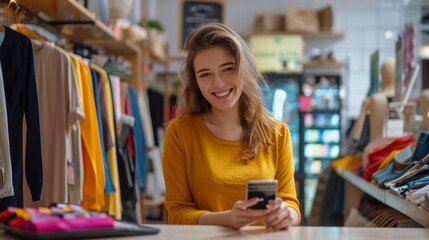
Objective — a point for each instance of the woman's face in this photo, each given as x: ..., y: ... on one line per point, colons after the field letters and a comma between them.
x: 217, y: 78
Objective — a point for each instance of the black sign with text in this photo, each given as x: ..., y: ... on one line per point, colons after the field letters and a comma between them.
x: 196, y: 13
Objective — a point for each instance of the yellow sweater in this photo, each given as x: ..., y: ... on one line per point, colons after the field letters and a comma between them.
x: 204, y: 173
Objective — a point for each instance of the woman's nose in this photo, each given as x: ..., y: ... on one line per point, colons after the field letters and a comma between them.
x: 217, y: 80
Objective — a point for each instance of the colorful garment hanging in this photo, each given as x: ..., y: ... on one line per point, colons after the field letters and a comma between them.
x: 94, y: 175
x: 139, y: 141
x: 112, y: 202
x: 109, y: 188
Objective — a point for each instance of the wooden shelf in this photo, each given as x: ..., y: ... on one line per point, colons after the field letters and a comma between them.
x: 391, y: 199
x: 161, y: 59
x: 327, y: 35
x: 81, y: 25
x: 70, y: 11
x: 114, y: 46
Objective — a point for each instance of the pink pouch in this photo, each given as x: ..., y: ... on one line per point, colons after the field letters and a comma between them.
x: 67, y: 221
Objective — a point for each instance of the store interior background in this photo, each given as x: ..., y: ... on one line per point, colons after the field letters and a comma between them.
x: 365, y: 26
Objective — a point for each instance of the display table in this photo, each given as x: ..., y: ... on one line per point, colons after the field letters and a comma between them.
x: 356, y: 185
x: 189, y: 232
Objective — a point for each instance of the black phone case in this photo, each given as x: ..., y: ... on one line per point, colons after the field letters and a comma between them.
x: 266, y: 191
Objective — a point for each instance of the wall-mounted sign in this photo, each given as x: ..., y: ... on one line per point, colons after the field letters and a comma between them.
x: 278, y: 53
x: 195, y: 13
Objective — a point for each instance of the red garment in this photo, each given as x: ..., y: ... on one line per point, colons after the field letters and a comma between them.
x: 377, y: 156
x: 17, y: 222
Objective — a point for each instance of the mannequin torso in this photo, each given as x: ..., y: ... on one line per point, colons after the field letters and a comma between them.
x: 387, y: 89
x: 376, y: 106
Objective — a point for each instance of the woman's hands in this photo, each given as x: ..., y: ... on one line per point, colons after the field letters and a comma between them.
x: 242, y: 215
x: 280, y: 215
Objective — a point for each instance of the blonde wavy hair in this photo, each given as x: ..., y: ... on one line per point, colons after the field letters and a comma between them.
x: 257, y: 123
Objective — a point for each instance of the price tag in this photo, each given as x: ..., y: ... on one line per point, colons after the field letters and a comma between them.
x: 70, y: 174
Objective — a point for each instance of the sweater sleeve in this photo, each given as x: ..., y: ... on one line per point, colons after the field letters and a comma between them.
x: 285, y: 171
x: 179, y: 202
x: 33, y: 155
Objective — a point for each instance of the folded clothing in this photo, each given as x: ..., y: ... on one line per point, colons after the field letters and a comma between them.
x: 377, y: 156
x: 399, y: 167
x: 55, y: 219
x: 418, y: 169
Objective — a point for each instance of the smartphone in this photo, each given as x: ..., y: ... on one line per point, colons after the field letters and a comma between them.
x: 265, y: 190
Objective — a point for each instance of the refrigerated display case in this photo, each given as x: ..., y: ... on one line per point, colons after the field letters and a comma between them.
x: 282, y: 100
x: 320, y: 129
x: 311, y: 106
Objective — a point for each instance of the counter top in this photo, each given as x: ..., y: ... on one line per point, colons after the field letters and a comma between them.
x: 176, y: 232
x: 190, y: 232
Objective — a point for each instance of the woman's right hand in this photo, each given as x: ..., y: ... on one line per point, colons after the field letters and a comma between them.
x: 242, y: 215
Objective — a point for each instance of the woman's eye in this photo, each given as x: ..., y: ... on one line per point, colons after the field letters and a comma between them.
x: 204, y: 75
x: 229, y: 69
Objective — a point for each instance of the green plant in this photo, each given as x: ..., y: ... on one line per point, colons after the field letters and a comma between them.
x: 155, y: 24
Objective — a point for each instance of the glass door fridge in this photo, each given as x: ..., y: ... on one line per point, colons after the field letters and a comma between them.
x: 320, y: 106
x: 282, y: 100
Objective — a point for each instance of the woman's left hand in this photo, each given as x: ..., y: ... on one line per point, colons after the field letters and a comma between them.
x: 280, y: 216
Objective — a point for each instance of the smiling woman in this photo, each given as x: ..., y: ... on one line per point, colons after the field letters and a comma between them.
x: 217, y: 79
x: 223, y: 137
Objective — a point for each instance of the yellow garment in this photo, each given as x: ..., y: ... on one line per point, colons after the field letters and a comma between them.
x: 204, y: 173
x: 94, y: 179
x: 75, y: 60
x: 348, y: 163
x: 388, y: 159
x: 113, y: 204
x: 386, y: 162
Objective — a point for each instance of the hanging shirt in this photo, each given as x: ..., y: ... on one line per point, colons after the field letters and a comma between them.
x: 109, y: 188
x: 116, y: 95
x: 143, y: 105
x: 6, y: 187
x: 126, y: 158
x: 17, y: 63
x: 94, y: 180
x: 75, y: 186
x: 113, y: 203
x: 60, y: 112
x: 140, y: 146
x: 156, y: 106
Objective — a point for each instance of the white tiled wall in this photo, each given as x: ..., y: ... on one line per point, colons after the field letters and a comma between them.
x: 363, y: 22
